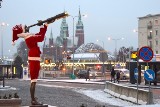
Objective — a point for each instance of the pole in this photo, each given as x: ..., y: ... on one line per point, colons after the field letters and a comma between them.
x: 115, y: 50
x: 1, y: 45
x: 11, y: 69
x: 138, y: 73
x: 149, y: 102
x: 103, y: 62
x: 73, y: 46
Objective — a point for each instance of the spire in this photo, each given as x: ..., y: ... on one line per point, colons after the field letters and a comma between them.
x: 79, y: 23
x: 79, y: 16
x: 51, y: 35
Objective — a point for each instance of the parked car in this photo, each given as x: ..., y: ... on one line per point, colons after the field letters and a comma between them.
x: 83, y: 74
x: 124, y: 73
x: 158, y: 76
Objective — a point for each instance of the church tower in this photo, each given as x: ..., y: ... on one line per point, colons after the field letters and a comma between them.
x: 64, y: 33
x: 64, y: 29
x: 51, y: 44
x: 79, y: 31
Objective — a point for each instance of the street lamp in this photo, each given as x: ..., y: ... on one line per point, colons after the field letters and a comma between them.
x: 11, y: 62
x: 73, y: 17
x: 115, y: 39
x: 102, y: 58
x: 2, y: 28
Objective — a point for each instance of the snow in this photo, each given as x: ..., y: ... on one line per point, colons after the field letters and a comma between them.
x: 100, y: 95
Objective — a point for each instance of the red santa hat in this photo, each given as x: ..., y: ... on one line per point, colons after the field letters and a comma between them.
x: 16, y: 30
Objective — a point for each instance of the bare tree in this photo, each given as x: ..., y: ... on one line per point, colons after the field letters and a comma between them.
x: 124, y: 53
x: 22, y: 51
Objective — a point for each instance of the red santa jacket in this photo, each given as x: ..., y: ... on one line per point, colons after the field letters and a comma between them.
x: 32, y: 42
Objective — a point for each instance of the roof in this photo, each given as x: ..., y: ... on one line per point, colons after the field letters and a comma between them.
x: 149, y: 15
x: 91, y: 56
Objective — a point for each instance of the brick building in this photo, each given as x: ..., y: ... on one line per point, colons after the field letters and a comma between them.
x: 58, y: 48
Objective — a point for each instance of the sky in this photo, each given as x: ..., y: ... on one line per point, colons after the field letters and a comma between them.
x: 105, y: 18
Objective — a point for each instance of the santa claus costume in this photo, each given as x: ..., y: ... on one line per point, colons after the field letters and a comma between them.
x: 33, y: 54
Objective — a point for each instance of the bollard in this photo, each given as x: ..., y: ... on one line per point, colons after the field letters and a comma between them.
x: 3, y: 82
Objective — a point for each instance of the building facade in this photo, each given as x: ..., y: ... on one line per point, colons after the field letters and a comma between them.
x: 58, y: 48
x: 149, y: 32
x: 79, y: 31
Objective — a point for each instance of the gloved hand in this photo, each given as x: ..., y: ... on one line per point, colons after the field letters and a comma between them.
x: 49, y: 21
x: 26, y: 29
x: 40, y: 23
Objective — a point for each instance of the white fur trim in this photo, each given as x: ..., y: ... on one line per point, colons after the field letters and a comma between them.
x: 23, y: 35
x: 34, y: 58
x: 34, y: 80
x: 27, y: 36
x: 42, y: 26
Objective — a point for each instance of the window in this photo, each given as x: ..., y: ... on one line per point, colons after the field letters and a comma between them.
x: 150, y: 33
x: 156, y: 42
x: 156, y: 32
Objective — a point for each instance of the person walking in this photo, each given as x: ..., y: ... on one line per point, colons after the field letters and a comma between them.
x: 117, y: 76
x: 113, y: 74
x: 88, y: 73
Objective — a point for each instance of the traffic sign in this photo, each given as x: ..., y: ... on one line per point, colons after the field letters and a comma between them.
x: 136, y: 73
x: 149, y: 75
x: 146, y: 53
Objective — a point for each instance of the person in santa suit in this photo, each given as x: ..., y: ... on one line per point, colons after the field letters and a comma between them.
x: 33, y: 54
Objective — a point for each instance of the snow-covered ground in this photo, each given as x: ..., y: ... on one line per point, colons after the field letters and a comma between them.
x: 100, y: 95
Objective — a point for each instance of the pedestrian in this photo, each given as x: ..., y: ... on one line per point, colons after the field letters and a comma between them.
x: 117, y: 76
x: 32, y: 40
x: 88, y: 73
x: 113, y: 74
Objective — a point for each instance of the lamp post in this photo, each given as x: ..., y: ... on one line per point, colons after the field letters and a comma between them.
x: 115, y: 39
x: 11, y: 62
x: 73, y: 17
x: 103, y: 72
x: 2, y: 28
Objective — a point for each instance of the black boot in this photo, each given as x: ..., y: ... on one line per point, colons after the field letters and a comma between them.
x: 32, y: 92
x: 35, y: 102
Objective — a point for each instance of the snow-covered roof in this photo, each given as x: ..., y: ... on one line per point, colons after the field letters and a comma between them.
x: 89, y: 56
x: 88, y: 48
x: 82, y: 56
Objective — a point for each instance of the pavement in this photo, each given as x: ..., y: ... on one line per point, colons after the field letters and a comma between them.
x: 154, y: 89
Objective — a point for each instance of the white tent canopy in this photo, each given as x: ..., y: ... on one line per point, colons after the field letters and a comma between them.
x: 83, y: 56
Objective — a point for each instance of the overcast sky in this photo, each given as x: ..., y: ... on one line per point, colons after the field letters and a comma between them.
x: 106, y: 18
